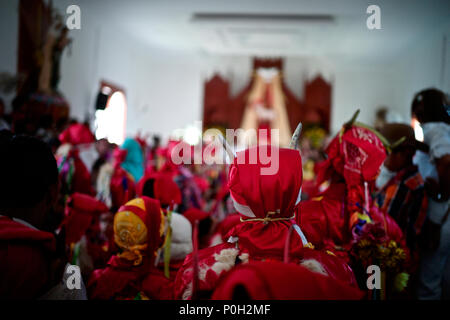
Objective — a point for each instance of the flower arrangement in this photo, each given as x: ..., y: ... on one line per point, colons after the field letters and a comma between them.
x: 373, y: 247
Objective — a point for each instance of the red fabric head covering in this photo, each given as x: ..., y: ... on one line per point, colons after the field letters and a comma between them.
x: 80, y: 212
x: 273, y: 196
x: 121, y: 278
x: 267, y: 193
x: 356, y: 153
x: 149, y: 211
x: 164, y: 188
x: 280, y: 281
x: 141, y: 183
x: 76, y: 134
x: 194, y: 214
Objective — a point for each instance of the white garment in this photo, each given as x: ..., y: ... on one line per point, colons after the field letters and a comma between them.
x: 433, y: 264
x: 437, y: 136
x: 181, y: 244
x: 426, y: 167
x: 88, y: 154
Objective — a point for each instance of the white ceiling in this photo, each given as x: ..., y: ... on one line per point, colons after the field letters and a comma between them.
x: 169, y: 24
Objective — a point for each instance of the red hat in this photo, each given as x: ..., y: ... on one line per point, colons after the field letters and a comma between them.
x: 80, y: 212
x: 194, y: 214
x: 356, y: 154
x: 267, y: 202
x: 281, y: 281
x: 261, y: 194
x: 137, y: 259
x: 164, y: 188
x: 150, y: 213
x: 76, y: 134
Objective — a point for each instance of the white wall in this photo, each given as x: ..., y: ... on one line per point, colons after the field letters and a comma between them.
x: 364, y: 88
x: 164, y: 87
x: 425, y: 65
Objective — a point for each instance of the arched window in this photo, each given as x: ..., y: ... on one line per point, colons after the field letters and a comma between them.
x: 110, y: 122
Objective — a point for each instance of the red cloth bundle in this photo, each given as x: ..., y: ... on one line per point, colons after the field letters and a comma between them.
x: 280, y: 281
x: 81, y: 211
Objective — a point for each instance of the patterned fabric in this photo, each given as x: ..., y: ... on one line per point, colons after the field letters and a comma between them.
x: 356, y: 154
x: 139, y: 227
x: 403, y: 197
x: 139, y: 231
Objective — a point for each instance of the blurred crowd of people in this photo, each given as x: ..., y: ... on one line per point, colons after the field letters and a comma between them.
x: 139, y: 226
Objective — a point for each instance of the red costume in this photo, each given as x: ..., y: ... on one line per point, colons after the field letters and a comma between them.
x: 164, y: 188
x: 273, y: 280
x: 75, y: 134
x: 266, y: 204
x: 334, y: 217
x: 139, y: 230
x: 82, y: 211
x: 25, y: 255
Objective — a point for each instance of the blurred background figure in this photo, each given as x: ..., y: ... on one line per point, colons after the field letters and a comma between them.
x: 430, y: 108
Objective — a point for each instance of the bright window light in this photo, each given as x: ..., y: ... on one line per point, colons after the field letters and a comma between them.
x: 192, y: 135
x: 418, y: 132
x: 110, y: 123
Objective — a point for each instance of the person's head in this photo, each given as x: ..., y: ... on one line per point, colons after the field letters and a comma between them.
x: 103, y: 147
x: 156, y: 141
x: 134, y: 159
x: 403, y: 145
x: 148, y: 188
x: 399, y: 158
x: 139, y: 227
x: 29, y: 179
x: 430, y: 106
